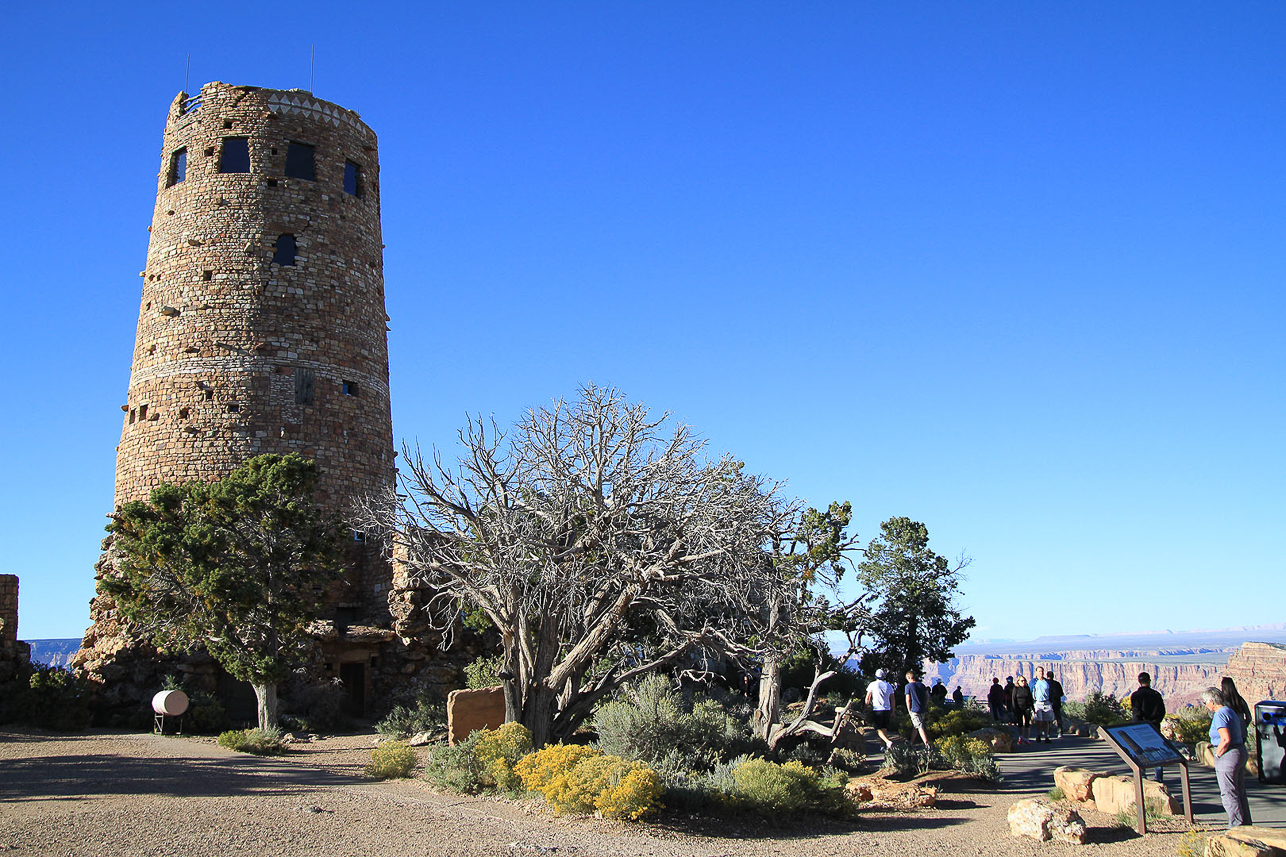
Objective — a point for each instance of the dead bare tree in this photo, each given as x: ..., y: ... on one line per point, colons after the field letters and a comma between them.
x: 600, y: 545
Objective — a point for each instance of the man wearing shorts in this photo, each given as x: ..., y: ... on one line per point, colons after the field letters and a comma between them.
x: 879, y: 698
x: 1044, y: 709
x: 917, y: 702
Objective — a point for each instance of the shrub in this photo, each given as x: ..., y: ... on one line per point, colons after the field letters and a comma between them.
x: 637, y: 795
x: 483, y: 672
x: 1192, y: 844
x: 498, y: 751
x: 48, y: 697
x: 769, y: 787
x: 905, y: 761
x: 1056, y: 793
x: 958, y: 721
x: 1103, y: 710
x: 848, y: 759
x: 537, y: 770
x: 456, y: 768
x: 1191, y: 725
x: 260, y: 742
x: 206, y: 714
x: 315, y: 707
x: 573, y: 778
x: 969, y: 755
x: 651, y: 722
x: 392, y: 760
x: 428, y: 714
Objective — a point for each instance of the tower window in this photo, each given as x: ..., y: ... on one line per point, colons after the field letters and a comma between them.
x: 299, y: 161
x: 235, y: 157
x: 178, y: 168
x: 142, y: 412
x: 285, y: 250
x: 352, y: 178
x: 303, y: 386
x: 350, y: 388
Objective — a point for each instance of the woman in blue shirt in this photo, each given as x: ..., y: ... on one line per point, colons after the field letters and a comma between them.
x: 1228, y: 743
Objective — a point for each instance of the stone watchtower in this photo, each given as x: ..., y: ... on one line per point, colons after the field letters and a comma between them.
x: 261, y: 329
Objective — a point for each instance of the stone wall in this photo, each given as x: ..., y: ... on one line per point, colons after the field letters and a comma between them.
x: 14, y: 654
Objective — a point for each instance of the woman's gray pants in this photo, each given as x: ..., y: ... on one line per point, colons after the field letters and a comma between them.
x: 1230, y: 770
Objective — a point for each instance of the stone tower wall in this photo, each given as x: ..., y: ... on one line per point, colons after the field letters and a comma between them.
x: 228, y: 340
x: 13, y: 654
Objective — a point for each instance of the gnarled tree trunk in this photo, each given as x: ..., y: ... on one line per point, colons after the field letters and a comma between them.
x: 266, y: 699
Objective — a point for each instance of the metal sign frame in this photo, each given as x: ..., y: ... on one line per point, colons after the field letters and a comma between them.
x: 1141, y: 745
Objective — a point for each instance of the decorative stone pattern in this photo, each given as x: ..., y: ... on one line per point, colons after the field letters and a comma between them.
x: 14, y: 654
x: 471, y: 710
x: 1042, y: 821
x: 239, y: 353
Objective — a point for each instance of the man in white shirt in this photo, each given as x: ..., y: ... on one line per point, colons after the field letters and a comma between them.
x: 879, y: 698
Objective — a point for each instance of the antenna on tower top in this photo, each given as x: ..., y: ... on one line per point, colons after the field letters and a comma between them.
x: 187, y: 72
x: 312, y: 65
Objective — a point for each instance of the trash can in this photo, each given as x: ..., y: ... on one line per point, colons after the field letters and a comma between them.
x: 1270, y: 737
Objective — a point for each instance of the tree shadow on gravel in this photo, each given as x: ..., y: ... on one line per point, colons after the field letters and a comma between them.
x: 103, y: 775
x: 796, y: 826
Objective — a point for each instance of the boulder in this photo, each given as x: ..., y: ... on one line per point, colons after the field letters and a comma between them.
x: 1042, y: 821
x: 1116, y: 794
x: 858, y: 792
x: 1247, y: 842
x: 1076, y: 783
x: 999, y: 740
x: 1204, y: 754
x: 419, y: 739
x: 471, y: 710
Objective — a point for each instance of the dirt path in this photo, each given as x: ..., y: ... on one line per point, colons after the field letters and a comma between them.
x: 127, y: 794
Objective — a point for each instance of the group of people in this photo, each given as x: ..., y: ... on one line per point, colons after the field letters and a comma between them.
x: 1021, y: 704
x: 1041, y: 703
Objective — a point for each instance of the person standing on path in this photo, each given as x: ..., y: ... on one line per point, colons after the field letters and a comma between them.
x: 1042, y: 708
x: 957, y: 696
x: 1148, y: 706
x: 879, y: 698
x: 1009, y: 698
x: 1023, y: 705
x: 1056, y: 699
x: 917, y: 703
x: 996, y: 700
x: 1228, y: 744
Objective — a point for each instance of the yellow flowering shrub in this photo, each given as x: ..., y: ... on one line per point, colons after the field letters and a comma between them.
x: 499, y: 750
x: 638, y: 794
x: 573, y: 778
x: 537, y: 770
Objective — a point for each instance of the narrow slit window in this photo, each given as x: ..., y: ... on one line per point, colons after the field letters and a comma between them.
x: 284, y: 254
x: 235, y: 157
x: 142, y: 412
x: 303, y: 386
x: 299, y: 162
x: 178, y: 168
x: 350, y: 388
x: 352, y: 178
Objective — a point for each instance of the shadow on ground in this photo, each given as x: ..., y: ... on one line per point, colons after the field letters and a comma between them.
x: 82, y: 776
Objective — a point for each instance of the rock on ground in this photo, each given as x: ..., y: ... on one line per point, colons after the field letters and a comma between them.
x: 1040, y: 820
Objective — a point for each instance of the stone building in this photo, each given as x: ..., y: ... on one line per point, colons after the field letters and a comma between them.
x: 262, y: 329
x: 14, y: 654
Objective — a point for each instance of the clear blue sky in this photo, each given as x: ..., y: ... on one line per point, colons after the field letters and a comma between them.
x: 1013, y: 270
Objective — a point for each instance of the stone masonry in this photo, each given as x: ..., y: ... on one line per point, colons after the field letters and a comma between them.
x: 262, y: 329
x: 14, y: 654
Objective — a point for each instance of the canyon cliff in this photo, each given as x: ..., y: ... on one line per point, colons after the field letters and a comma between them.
x: 1082, y: 673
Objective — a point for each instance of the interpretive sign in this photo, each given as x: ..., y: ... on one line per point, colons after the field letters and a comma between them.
x: 1142, y: 746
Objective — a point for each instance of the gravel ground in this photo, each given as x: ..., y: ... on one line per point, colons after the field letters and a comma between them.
x: 106, y: 793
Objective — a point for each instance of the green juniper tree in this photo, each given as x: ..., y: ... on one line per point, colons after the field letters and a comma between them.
x: 916, y: 617
x: 239, y: 566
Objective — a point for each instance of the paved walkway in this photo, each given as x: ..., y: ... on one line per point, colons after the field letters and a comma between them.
x: 1030, y: 771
